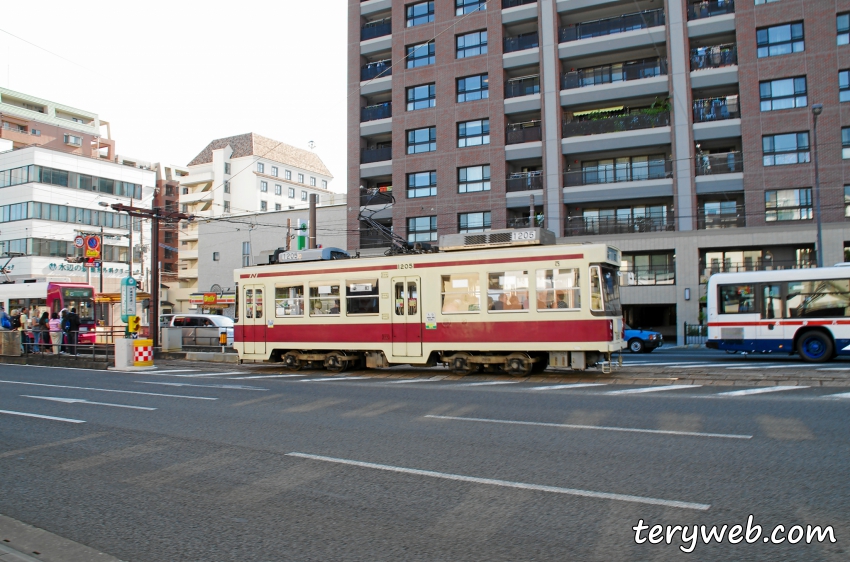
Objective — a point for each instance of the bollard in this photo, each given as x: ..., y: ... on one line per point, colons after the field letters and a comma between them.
x: 143, y: 353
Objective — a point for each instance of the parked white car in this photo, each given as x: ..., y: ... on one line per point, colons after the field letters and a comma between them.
x: 197, y: 327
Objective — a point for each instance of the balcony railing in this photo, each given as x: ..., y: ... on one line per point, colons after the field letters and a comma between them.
x: 369, y: 155
x: 714, y: 57
x: 716, y: 109
x: 376, y: 70
x: 521, y: 42
x: 616, y: 124
x: 526, y: 222
x: 708, y: 9
x: 653, y: 274
x: 720, y: 163
x: 707, y: 221
x: 652, y: 170
x: 377, y: 111
x: 524, y: 181
x: 610, y: 26
x: 372, y: 238
x: 582, y: 226
x: 522, y: 86
x: 512, y: 3
x: 634, y: 70
x: 376, y: 196
x: 750, y: 265
x: 523, y: 132
x: 376, y: 29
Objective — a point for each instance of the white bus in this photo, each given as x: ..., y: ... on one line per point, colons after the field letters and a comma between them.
x: 802, y: 311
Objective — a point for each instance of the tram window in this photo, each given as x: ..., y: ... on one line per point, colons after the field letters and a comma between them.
x: 507, y: 290
x: 361, y: 296
x: 461, y: 293
x: 289, y: 301
x: 398, y: 298
x: 558, y: 289
x: 824, y: 298
x: 324, y: 298
x: 249, y: 303
x: 737, y: 299
x: 596, y: 302
x: 258, y: 303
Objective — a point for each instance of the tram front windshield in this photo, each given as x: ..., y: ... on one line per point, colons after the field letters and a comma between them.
x: 611, y: 291
x: 81, y: 299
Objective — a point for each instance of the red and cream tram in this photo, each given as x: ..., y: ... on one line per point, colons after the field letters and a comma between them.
x: 507, y: 299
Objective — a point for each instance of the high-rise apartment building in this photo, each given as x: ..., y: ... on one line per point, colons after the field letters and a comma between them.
x: 681, y: 131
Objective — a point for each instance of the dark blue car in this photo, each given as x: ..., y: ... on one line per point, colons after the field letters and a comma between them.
x: 643, y: 341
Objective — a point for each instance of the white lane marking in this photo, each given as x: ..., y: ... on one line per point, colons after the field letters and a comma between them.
x: 639, y: 364
x: 599, y: 427
x: 334, y: 379
x: 216, y: 374
x: 415, y: 380
x: 265, y: 377
x: 82, y: 401
x: 842, y: 395
x: 774, y: 366
x: 490, y: 383
x: 575, y: 385
x: 173, y: 371
x: 697, y: 365
x: 654, y: 389
x: 760, y: 390
x: 836, y: 369
x: 225, y: 386
x: 26, y: 415
x: 110, y: 390
x: 509, y: 484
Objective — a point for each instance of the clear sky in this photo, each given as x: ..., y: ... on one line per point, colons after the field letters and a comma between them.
x: 170, y: 76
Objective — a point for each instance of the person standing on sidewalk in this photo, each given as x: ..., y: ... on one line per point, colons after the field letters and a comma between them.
x: 55, y: 327
x: 5, y: 320
x: 42, y: 332
x: 73, y: 323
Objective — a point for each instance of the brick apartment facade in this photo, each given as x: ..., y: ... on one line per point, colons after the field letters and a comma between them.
x: 680, y: 131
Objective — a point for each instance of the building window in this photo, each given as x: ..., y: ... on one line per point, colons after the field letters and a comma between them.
x: 246, y: 254
x: 845, y: 142
x: 422, y: 140
x: 843, y: 21
x: 421, y: 184
x: 473, y: 178
x: 303, y: 195
x: 788, y: 205
x: 227, y: 187
x: 635, y: 168
x: 844, y: 85
x: 474, y: 222
x: 419, y: 13
x: 421, y: 97
x: 261, y: 168
x: 790, y: 148
x: 765, y: 1
x: 278, y: 189
x: 35, y: 132
x: 780, y: 40
x: 185, y: 208
x: 783, y: 94
x: 422, y: 229
x: 622, y: 219
x: 473, y: 133
x: 290, y: 192
x: 469, y: 6
x: 216, y: 256
x: 846, y: 205
x: 473, y: 88
x: 70, y: 139
x: 420, y: 55
x: 300, y: 178
x: 324, y: 184
x: 264, y: 186
x: 471, y: 44
x: 274, y: 171
x: 264, y: 206
x: 227, y: 167
x: 287, y: 174
x: 277, y: 207
x: 312, y: 181
x: 227, y: 206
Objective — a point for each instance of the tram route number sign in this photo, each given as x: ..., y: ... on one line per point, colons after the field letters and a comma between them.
x: 523, y: 235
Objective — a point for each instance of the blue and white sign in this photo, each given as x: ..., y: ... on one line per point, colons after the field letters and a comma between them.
x: 128, y: 298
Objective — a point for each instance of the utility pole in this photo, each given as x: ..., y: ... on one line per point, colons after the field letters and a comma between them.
x: 102, y: 248
x: 155, y: 215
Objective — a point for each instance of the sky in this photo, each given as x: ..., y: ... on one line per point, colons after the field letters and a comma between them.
x: 171, y: 76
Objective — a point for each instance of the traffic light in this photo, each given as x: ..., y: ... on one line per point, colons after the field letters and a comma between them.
x: 133, y: 323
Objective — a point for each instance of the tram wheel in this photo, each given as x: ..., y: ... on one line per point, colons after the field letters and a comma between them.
x: 541, y: 364
x: 291, y: 361
x: 518, y: 364
x: 335, y: 362
x: 461, y: 364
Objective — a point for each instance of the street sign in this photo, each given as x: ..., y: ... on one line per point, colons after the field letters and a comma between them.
x: 79, y: 241
x: 128, y: 298
x: 92, y: 246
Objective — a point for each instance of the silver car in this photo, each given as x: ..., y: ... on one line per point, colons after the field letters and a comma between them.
x: 199, y: 329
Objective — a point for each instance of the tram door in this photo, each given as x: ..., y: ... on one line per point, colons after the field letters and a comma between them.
x: 406, y: 317
x: 253, y: 324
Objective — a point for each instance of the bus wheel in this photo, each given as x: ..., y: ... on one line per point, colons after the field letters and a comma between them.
x: 335, y: 362
x: 518, y: 364
x: 461, y: 364
x: 815, y: 347
x: 291, y: 361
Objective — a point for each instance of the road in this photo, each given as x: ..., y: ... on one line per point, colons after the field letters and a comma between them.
x: 213, y: 463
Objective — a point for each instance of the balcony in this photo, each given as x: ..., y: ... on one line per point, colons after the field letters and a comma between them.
x: 189, y: 254
x: 187, y: 273
x: 369, y: 155
x: 521, y: 42
x: 522, y: 86
x: 376, y: 69
x: 653, y: 274
x: 529, y: 131
x: 514, y: 3
x: 375, y: 29
x: 611, y: 26
x: 611, y: 73
x: 708, y: 220
x: 375, y: 112
x: 524, y: 181
x: 707, y: 110
x: 722, y: 163
x: 604, y: 174
x: 373, y: 238
x: 582, y: 226
x: 615, y: 124
x: 716, y: 56
x: 709, y: 9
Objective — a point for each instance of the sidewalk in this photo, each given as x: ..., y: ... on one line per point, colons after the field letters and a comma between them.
x: 20, y: 542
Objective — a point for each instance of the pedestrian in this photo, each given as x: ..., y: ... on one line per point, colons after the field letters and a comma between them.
x: 43, y: 333
x: 5, y: 320
x: 55, y: 333
x: 63, y: 327
x: 73, y: 323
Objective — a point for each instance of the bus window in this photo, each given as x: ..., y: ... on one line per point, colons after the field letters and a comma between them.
x: 737, y: 299
x: 460, y: 293
x: 772, y: 302
x: 826, y: 298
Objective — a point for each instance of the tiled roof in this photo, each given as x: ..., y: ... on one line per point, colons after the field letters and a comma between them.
x: 252, y: 144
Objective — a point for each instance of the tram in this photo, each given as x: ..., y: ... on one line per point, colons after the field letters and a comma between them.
x: 53, y: 296
x: 505, y: 299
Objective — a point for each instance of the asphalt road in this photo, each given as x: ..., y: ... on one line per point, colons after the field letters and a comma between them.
x: 208, y: 464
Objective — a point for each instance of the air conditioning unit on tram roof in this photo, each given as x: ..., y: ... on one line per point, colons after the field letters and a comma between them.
x: 505, y: 238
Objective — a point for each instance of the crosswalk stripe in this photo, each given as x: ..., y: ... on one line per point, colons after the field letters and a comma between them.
x: 654, y: 389
x: 174, y: 371
x: 414, y: 380
x: 842, y: 395
x: 265, y: 377
x: 490, y: 383
x: 760, y: 390
x: 39, y: 416
x: 334, y: 379
x: 560, y: 386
